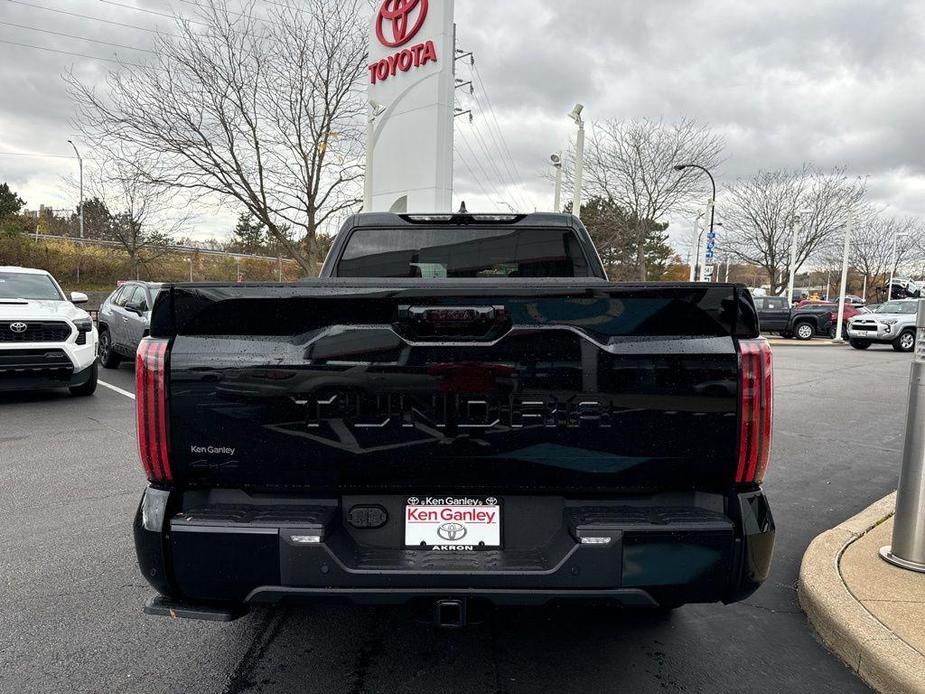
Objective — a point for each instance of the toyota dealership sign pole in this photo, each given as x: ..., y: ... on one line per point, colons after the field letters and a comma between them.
x: 411, y: 79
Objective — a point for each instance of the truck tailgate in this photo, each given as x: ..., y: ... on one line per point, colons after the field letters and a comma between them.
x: 547, y: 386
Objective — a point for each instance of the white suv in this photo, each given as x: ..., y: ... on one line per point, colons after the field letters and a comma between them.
x: 45, y: 340
x: 891, y: 323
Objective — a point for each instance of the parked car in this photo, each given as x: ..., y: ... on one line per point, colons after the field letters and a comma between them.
x: 461, y: 408
x: 903, y: 289
x: 123, y: 320
x: 850, y: 299
x: 851, y: 311
x: 804, y: 321
x: 893, y: 323
x: 46, y: 341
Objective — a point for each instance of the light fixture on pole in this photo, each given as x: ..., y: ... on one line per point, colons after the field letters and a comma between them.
x: 712, y: 203
x: 895, y: 260
x: 799, y: 218
x: 575, y: 115
x: 844, y: 279
x: 556, y: 160
x: 80, y: 164
x: 375, y: 111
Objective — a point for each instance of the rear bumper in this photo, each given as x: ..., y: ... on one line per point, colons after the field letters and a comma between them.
x: 656, y: 554
x: 882, y: 333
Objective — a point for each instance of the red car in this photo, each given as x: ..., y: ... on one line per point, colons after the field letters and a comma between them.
x: 850, y: 312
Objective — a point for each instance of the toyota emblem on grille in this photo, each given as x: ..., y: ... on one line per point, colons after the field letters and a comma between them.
x: 19, y: 328
x: 452, y: 531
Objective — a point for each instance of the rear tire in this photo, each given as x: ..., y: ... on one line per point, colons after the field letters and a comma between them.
x: 804, y: 331
x: 88, y: 388
x: 859, y: 344
x: 905, y: 342
x: 108, y: 358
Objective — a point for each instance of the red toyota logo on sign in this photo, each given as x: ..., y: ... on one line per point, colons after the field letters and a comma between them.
x: 399, y: 12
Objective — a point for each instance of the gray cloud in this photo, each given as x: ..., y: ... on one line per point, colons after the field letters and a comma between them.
x: 785, y: 81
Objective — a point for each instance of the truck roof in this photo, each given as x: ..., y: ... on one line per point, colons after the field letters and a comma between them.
x: 390, y: 219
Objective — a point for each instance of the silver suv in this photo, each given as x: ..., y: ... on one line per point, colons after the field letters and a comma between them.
x: 124, y: 319
x: 891, y: 323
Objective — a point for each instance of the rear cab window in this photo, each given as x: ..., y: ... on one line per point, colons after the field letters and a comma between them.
x: 460, y: 251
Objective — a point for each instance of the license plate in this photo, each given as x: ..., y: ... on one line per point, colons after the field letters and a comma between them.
x: 461, y: 523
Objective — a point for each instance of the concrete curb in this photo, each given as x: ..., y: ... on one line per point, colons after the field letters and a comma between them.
x: 870, y: 649
x: 820, y: 342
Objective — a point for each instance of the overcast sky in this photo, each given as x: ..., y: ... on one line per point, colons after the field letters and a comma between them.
x: 838, y: 82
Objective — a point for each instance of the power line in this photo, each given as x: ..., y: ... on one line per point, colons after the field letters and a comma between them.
x: 475, y: 178
x: 79, y: 38
x: 78, y: 55
x: 505, y: 166
x: 91, y: 18
x: 489, y: 157
x: 491, y: 110
x: 485, y: 177
x: 172, y: 17
x: 33, y: 154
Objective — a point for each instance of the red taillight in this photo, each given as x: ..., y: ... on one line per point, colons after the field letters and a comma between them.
x: 756, y: 397
x: 151, y: 408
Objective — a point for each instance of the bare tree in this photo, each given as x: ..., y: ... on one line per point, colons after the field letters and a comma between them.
x: 630, y: 163
x: 766, y: 213
x: 262, y: 109
x: 872, y: 247
x: 141, y: 217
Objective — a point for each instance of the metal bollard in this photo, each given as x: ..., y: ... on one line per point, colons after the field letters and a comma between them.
x: 908, y: 548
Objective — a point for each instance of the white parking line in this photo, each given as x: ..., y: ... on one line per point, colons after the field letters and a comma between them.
x: 118, y: 390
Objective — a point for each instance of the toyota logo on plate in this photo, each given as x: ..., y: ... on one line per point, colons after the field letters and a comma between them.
x: 452, y: 531
x: 19, y: 328
x: 399, y: 13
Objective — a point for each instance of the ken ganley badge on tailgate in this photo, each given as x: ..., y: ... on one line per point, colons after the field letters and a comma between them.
x: 453, y: 523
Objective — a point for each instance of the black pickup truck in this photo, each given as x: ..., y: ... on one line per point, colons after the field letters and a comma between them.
x: 462, y: 408
x: 803, y: 322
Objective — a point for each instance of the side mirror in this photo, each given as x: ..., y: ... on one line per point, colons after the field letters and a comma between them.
x: 79, y: 298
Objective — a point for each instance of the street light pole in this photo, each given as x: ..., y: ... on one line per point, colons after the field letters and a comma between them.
x: 844, y: 279
x: 556, y: 160
x: 80, y: 164
x: 682, y: 167
x: 575, y: 115
x: 895, y: 258
x: 696, y: 235
x: 801, y: 220
x: 376, y: 110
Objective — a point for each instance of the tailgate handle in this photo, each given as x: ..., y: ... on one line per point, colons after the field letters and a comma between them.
x: 471, y: 321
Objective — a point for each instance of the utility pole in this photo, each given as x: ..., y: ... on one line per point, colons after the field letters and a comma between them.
x: 80, y: 164
x: 575, y: 115
x: 694, y: 256
x: 844, y: 279
x: 556, y: 160
x: 375, y: 110
x: 793, y: 261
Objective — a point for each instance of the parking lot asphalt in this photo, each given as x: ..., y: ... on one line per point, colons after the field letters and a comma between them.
x: 71, y: 600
